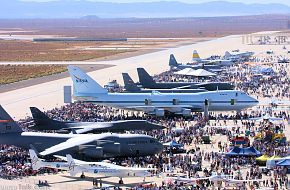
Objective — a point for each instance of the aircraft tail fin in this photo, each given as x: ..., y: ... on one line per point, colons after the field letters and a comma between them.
x: 7, y: 124
x: 71, y: 165
x: 227, y: 54
x: 35, y: 161
x: 172, y: 61
x: 83, y: 83
x: 144, y: 77
x: 129, y: 83
x: 195, y: 56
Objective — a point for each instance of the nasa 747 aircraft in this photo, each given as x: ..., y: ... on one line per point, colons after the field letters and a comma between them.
x: 155, y: 103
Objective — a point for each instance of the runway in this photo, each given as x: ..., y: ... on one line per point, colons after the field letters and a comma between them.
x: 49, y: 95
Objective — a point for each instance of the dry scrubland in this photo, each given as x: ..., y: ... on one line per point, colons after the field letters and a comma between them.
x: 15, y: 73
x: 20, y: 50
x: 50, y: 51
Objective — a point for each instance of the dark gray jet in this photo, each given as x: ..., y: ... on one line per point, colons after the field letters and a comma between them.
x: 147, y: 82
x: 179, y: 66
x: 43, y: 122
x: 84, y: 146
x: 130, y: 86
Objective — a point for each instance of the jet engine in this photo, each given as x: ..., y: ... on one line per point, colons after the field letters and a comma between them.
x: 112, y: 148
x: 157, y: 112
x: 186, y: 112
x: 91, y: 151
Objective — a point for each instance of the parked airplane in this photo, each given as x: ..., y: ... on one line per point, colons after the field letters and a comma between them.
x: 88, y: 90
x: 267, y: 117
x: 237, y: 55
x: 74, y: 167
x: 130, y: 86
x: 147, y: 82
x: 215, y: 177
x: 43, y: 122
x: 105, y: 169
x: 219, y: 62
x: 174, y: 64
x: 37, y: 163
x: 79, y: 145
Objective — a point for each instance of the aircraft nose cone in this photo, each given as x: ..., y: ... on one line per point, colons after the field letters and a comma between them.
x: 255, y: 101
x: 159, y: 147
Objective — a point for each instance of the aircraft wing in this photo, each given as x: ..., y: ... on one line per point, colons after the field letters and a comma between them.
x: 72, y: 142
x: 240, y: 180
x: 189, y: 179
x: 165, y: 107
x: 183, y: 87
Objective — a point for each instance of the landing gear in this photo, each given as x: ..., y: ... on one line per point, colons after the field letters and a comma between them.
x: 83, y: 176
x: 121, y: 181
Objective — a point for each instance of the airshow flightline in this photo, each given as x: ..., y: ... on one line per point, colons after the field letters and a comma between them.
x: 239, y: 142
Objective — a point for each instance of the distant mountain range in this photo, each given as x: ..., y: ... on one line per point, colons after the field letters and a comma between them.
x: 82, y: 8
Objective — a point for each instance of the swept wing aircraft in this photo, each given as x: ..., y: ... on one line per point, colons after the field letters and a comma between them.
x: 130, y: 86
x: 43, y: 122
x: 80, y: 145
x: 88, y: 90
x: 179, y: 66
x: 147, y: 82
x: 219, y: 62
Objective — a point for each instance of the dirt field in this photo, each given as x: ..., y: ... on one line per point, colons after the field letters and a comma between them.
x: 15, y: 73
x: 48, y: 51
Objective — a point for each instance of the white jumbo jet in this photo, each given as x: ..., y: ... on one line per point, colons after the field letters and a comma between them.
x: 155, y: 103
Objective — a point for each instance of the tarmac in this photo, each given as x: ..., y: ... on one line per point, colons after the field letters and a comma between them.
x: 49, y: 95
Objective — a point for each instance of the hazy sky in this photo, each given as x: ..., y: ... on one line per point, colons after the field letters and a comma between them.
x: 287, y: 2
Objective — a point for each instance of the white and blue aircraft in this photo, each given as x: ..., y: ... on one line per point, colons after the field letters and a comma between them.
x: 155, y: 103
x: 74, y: 167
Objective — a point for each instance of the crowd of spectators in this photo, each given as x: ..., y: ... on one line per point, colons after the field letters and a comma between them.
x: 197, y: 162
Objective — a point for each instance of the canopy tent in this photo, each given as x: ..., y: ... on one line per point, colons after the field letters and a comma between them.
x: 272, y: 161
x: 263, y: 158
x: 184, y: 71
x: 285, y: 162
x: 172, y: 144
x: 249, y: 151
x: 196, y: 73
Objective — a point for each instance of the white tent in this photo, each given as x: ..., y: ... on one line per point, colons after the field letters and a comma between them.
x: 196, y: 73
x: 184, y: 71
x: 201, y: 73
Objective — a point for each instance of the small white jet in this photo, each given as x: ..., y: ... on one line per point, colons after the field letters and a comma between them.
x: 74, y: 167
x: 37, y: 163
x: 267, y: 117
x: 105, y: 169
x: 215, y: 177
